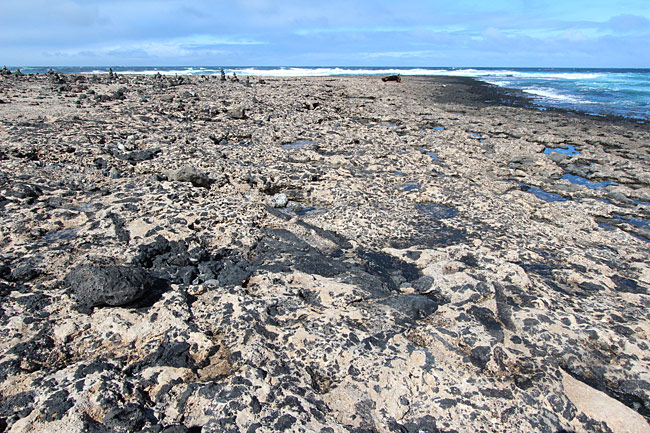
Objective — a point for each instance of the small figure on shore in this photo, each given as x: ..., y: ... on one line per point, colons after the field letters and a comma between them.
x: 248, y: 81
x: 396, y: 78
x: 223, y: 75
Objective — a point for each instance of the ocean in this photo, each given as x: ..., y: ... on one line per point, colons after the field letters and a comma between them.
x: 598, y: 92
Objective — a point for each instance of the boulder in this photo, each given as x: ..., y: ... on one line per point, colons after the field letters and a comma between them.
x: 188, y: 174
x: 112, y: 285
x: 395, y: 78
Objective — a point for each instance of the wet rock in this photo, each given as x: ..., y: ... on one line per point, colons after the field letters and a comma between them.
x: 95, y: 286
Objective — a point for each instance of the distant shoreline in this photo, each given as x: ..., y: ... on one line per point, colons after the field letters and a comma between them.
x: 616, y: 93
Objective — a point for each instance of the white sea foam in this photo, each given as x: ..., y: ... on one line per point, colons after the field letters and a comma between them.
x: 547, y: 93
x: 184, y: 71
x: 337, y: 71
x: 325, y: 72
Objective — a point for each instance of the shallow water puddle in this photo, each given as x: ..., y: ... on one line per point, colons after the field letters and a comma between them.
x: 60, y: 235
x: 606, y: 227
x: 570, y: 150
x: 475, y: 135
x: 305, y: 210
x: 578, y: 180
x: 438, y: 128
x: 639, y: 222
x: 389, y: 125
x: 87, y: 207
x: 634, y: 224
x: 408, y: 187
x: 436, y: 211
x: 433, y: 155
x: 541, y: 194
x: 297, y: 144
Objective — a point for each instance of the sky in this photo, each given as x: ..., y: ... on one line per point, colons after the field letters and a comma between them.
x: 452, y: 33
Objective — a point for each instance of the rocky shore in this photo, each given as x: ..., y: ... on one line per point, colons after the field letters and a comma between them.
x: 194, y: 254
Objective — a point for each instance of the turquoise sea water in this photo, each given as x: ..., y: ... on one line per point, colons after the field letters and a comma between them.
x: 620, y: 92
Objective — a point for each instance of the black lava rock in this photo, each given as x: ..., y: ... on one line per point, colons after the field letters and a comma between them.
x: 24, y: 273
x: 57, y: 405
x: 140, y: 155
x: 129, y: 418
x: 107, y: 285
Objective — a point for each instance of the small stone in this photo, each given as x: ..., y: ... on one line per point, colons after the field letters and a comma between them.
x: 211, y: 283
x: 295, y: 206
x: 237, y: 112
x: 278, y: 200
x: 312, y: 104
x: 114, y: 173
x: 64, y: 331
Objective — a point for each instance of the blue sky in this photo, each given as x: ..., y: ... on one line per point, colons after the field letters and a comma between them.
x: 516, y: 33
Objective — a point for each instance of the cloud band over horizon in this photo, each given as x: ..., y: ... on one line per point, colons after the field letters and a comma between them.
x: 352, y: 33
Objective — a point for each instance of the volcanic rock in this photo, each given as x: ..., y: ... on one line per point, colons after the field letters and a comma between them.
x: 107, y: 285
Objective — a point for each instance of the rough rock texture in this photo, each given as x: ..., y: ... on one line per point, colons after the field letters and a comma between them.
x: 441, y: 262
x: 107, y: 285
x: 188, y: 174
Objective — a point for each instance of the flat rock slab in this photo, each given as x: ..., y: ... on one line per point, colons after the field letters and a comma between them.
x: 598, y: 405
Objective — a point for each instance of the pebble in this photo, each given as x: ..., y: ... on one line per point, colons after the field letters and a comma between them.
x: 279, y: 200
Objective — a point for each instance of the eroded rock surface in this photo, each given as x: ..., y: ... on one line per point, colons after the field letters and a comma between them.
x: 190, y: 254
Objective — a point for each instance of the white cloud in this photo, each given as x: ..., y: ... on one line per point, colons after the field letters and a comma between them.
x: 179, y: 47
